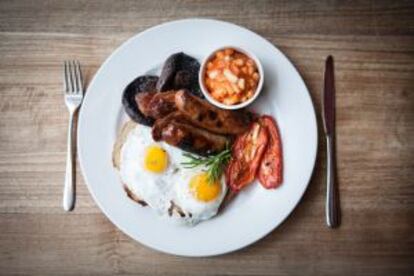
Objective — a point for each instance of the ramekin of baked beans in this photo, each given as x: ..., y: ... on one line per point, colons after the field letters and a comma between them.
x: 231, y: 78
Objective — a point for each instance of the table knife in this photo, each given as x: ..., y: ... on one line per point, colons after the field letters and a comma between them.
x: 332, y: 207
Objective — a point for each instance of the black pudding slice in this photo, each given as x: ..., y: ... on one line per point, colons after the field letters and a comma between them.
x: 140, y: 84
x: 180, y: 71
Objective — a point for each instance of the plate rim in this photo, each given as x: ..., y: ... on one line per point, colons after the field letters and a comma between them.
x: 81, y: 122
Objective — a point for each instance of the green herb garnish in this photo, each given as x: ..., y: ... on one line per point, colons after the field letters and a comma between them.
x: 214, y: 164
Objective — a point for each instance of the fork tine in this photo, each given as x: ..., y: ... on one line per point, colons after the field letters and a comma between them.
x: 71, y: 81
x: 65, y: 76
x: 75, y: 78
x: 80, y: 80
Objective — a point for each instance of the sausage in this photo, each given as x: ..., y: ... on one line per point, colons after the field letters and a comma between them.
x: 156, y: 105
x: 160, y: 124
x: 162, y: 104
x: 177, y: 131
x: 204, y: 115
x: 143, y: 100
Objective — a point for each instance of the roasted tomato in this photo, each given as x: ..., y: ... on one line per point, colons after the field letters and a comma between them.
x: 247, y: 152
x: 270, y: 171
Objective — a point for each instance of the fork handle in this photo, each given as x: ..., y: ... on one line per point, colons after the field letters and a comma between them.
x: 69, y: 188
x: 332, y: 197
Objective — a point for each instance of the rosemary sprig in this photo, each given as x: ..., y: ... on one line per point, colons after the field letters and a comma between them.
x: 214, y: 164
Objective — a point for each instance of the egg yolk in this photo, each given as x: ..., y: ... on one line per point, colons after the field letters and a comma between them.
x: 156, y: 159
x: 202, y: 189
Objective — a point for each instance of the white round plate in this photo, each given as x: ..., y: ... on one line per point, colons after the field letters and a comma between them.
x: 255, y: 212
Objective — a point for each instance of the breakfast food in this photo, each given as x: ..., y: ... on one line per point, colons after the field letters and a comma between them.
x: 176, y: 130
x: 247, y: 152
x: 270, y: 171
x: 137, y: 86
x: 156, y: 105
x: 152, y: 174
x: 186, y: 158
x: 191, y: 123
x: 231, y: 77
x: 180, y: 71
x: 203, y: 114
x: 256, y: 153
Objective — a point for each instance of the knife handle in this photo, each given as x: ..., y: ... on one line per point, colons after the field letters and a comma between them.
x: 332, y: 198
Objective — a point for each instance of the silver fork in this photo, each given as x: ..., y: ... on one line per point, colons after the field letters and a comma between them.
x: 73, y: 89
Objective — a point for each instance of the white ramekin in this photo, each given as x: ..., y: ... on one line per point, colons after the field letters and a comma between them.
x: 207, y: 93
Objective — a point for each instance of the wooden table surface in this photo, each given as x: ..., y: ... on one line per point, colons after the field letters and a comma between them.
x: 373, y: 45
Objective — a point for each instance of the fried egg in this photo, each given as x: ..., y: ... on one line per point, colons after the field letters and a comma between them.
x: 197, y: 196
x: 153, y: 171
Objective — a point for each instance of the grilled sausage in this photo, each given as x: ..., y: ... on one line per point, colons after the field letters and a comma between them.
x: 143, y: 100
x: 156, y: 105
x: 177, y: 131
x: 207, y: 116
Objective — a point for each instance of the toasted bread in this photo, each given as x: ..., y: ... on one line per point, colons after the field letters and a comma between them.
x: 116, y: 157
x: 119, y: 142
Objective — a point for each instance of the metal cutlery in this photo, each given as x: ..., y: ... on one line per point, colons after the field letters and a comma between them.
x: 73, y: 89
x: 332, y: 207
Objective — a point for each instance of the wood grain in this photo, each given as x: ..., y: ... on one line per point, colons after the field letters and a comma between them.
x: 373, y: 46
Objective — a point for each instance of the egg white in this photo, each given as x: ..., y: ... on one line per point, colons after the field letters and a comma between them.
x: 199, y: 210
x: 159, y: 190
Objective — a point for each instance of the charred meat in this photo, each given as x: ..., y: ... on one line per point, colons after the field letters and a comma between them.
x: 162, y: 104
x: 202, y: 114
x: 177, y: 131
x: 143, y: 100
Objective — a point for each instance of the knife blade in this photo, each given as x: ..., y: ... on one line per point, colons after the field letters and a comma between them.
x: 329, y: 97
x: 332, y: 194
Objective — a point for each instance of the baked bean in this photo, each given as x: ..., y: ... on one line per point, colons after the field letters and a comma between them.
x: 239, y: 62
x: 229, y: 51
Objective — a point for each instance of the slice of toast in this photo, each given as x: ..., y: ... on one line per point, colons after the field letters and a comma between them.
x: 116, y: 157
x: 119, y: 142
